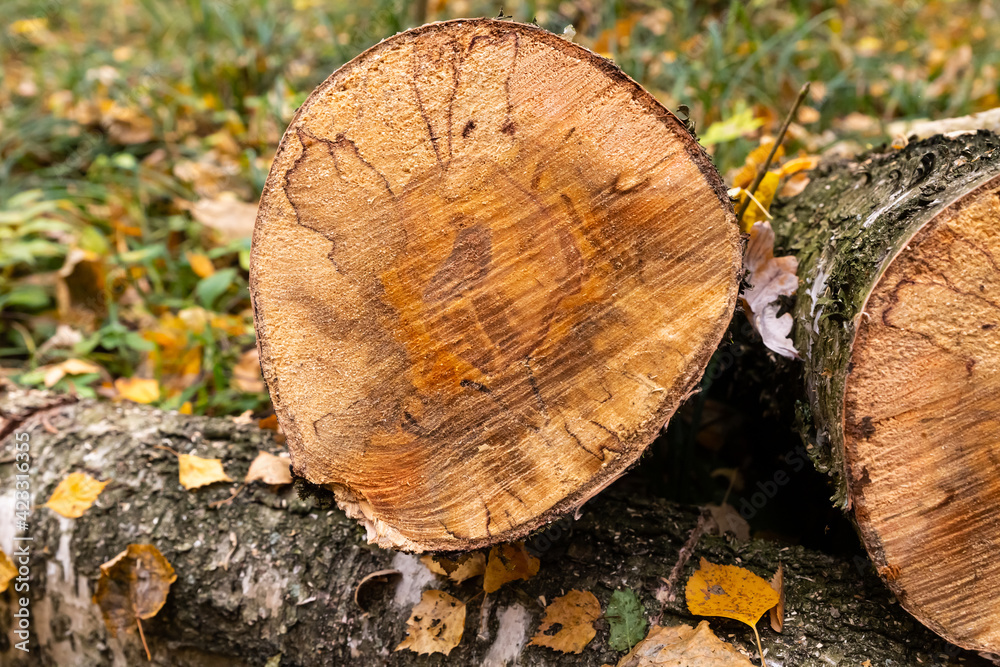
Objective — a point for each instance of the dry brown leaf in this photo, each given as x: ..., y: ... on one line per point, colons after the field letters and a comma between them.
x: 794, y: 185
x: 728, y: 520
x: 777, y: 612
x: 458, y: 570
x: 75, y: 494
x: 508, y: 562
x: 246, y: 373
x: 231, y: 218
x: 7, y: 571
x: 683, y: 646
x: 133, y: 585
x: 770, y: 278
x: 568, y: 625
x: 435, y: 625
x: 138, y: 390
x: 380, y: 576
x: 196, y: 472
x: 808, y: 114
x: 269, y: 469
x: 858, y: 123
x: 126, y: 125
x: 244, y: 418
x: 69, y: 367
x: 269, y: 423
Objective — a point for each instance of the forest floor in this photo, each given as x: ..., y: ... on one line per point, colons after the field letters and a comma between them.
x: 135, y: 137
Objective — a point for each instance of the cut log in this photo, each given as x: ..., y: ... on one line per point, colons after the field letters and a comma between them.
x: 273, y: 573
x: 487, y: 268
x: 898, y: 320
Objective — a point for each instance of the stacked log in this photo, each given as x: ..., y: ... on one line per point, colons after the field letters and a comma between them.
x: 897, y: 318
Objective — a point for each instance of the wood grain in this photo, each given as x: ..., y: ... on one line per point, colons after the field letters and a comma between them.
x: 922, y: 422
x: 486, y: 269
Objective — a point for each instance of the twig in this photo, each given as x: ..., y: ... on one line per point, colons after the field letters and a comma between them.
x: 668, y: 594
x: 774, y: 149
x: 168, y: 449
x: 231, y: 498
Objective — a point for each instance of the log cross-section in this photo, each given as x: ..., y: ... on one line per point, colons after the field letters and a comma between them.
x: 487, y: 268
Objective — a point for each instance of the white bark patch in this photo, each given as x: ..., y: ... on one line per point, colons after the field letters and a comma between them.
x: 815, y: 292
x: 72, y: 592
x: 63, y: 556
x: 415, y: 578
x: 264, y: 595
x: 512, y: 635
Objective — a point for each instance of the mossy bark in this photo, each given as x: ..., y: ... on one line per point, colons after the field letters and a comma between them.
x: 845, y: 228
x: 270, y: 577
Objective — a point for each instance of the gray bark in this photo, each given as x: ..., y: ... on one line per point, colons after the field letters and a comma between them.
x: 270, y: 577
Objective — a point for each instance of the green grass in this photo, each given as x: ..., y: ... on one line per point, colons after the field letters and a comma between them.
x: 214, y: 82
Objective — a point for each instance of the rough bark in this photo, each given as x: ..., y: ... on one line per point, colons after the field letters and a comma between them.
x: 487, y: 268
x: 273, y: 573
x: 897, y: 318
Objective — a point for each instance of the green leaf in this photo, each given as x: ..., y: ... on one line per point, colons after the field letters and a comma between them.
x: 627, y: 620
x: 211, y: 288
x: 26, y: 297
x: 135, y: 341
x: 143, y: 254
x: 33, y: 377
x: 739, y: 124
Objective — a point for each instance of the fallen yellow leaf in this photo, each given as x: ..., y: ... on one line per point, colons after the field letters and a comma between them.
x: 231, y: 218
x: 196, y: 472
x: 269, y: 469
x: 796, y: 165
x: 200, y: 264
x: 75, y: 494
x: 7, y: 571
x: 760, y: 203
x: 745, y: 177
x: 138, y: 390
x: 730, y: 592
x: 683, y: 646
x: 508, y: 562
x: 458, y: 570
x: 568, y: 625
x: 435, y: 625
